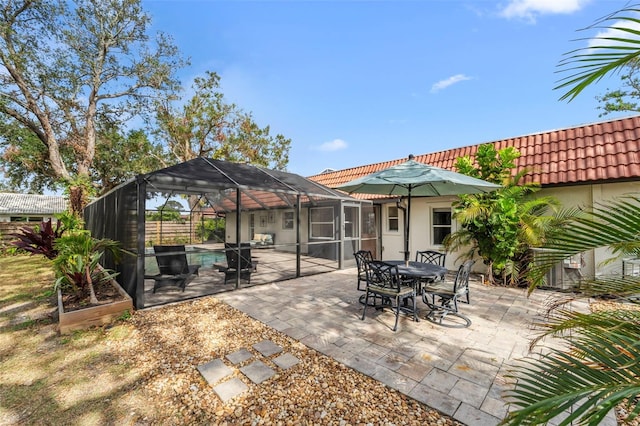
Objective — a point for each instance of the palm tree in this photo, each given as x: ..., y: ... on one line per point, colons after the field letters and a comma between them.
x: 598, y: 368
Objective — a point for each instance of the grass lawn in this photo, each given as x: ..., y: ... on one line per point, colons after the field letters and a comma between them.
x: 142, y: 370
x: 47, y: 378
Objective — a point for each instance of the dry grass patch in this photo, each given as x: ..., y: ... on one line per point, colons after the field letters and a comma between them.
x: 142, y: 370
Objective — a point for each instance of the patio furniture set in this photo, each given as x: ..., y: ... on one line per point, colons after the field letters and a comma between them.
x: 397, y: 284
x: 175, y: 270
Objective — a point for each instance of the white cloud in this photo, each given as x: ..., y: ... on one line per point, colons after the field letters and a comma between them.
x: 443, y: 84
x: 334, y: 145
x: 610, y: 32
x: 530, y: 9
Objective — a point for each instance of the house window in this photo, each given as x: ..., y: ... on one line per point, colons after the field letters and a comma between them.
x: 287, y: 220
x: 441, y: 225
x: 322, y: 223
x: 26, y: 219
x: 392, y: 218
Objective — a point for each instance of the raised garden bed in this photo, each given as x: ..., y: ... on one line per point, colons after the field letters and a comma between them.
x: 95, y: 315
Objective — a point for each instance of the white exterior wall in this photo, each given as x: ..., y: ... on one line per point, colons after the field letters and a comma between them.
x: 282, y: 236
x: 420, y: 230
x: 39, y: 217
x: 587, y: 195
x: 421, y: 237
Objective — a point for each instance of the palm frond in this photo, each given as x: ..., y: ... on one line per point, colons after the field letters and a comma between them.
x: 598, y: 372
x: 615, y: 225
x: 590, y: 64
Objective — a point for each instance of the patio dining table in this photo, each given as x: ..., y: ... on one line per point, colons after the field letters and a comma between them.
x: 419, y: 270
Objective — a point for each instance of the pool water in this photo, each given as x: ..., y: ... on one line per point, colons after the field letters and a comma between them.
x: 205, y: 259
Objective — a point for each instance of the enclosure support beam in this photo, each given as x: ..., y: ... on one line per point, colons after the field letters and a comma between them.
x: 142, y: 197
x: 238, y: 228
x: 298, y: 248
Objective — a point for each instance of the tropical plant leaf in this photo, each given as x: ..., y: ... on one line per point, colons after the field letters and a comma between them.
x: 597, y: 372
x: 590, y: 64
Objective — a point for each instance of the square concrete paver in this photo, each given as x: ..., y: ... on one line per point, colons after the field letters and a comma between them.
x: 257, y: 371
x: 230, y: 389
x: 239, y: 356
x: 214, y: 371
x: 267, y: 348
x: 286, y: 360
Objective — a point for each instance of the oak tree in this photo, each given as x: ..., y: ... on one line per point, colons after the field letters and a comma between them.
x: 66, y: 67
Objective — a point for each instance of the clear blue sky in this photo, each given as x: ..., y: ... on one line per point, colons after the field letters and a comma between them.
x: 358, y: 82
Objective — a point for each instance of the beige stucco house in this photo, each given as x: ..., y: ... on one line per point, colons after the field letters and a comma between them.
x: 579, y: 166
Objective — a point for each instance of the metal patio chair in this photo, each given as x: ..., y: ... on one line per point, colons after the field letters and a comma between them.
x: 363, y: 257
x: 433, y: 257
x: 442, y: 297
x: 383, y: 280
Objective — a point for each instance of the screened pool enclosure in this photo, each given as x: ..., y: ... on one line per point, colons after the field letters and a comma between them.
x: 291, y: 226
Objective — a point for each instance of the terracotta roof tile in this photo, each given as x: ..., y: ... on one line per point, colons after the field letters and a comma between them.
x: 590, y: 153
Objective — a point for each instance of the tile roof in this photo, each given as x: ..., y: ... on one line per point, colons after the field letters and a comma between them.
x: 591, y: 153
x: 11, y: 203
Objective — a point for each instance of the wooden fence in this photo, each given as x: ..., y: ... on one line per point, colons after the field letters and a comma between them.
x: 170, y: 233
x: 156, y: 232
x: 7, y: 228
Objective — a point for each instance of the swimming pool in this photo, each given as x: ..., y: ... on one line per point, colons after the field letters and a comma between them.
x: 204, y: 258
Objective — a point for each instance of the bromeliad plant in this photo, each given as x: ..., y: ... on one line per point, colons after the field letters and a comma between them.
x: 77, y: 266
x: 39, y: 240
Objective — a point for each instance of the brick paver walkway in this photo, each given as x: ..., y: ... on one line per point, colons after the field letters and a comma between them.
x: 459, y: 371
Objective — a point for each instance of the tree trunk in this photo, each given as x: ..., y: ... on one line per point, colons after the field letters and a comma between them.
x: 92, y: 293
x: 77, y: 199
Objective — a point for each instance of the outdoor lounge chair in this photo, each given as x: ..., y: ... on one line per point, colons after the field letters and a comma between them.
x: 238, y: 261
x: 174, y: 269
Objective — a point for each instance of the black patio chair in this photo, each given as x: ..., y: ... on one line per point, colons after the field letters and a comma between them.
x: 363, y: 257
x: 431, y: 256
x: 442, y: 297
x: 173, y: 266
x: 238, y: 259
x: 383, y: 280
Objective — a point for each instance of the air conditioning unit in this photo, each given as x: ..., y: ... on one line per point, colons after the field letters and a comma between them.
x: 564, y: 275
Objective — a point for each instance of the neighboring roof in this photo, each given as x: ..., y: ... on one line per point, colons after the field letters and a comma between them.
x: 25, y: 204
x: 591, y: 153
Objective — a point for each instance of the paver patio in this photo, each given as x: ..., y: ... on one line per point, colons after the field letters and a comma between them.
x: 459, y: 371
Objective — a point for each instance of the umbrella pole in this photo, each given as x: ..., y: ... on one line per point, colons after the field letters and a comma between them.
x: 406, y: 228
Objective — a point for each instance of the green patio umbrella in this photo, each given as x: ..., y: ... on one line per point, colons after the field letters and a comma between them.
x: 412, y: 178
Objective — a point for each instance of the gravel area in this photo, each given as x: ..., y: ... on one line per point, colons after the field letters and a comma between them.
x: 165, y: 346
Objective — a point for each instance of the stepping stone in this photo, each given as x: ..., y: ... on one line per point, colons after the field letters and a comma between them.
x: 257, y: 372
x: 230, y: 389
x: 239, y: 356
x: 285, y: 361
x: 267, y: 348
x: 214, y: 371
